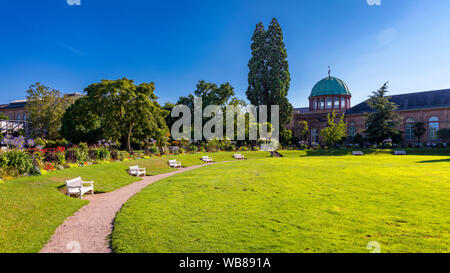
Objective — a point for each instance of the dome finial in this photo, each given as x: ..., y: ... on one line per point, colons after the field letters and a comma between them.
x: 329, y: 72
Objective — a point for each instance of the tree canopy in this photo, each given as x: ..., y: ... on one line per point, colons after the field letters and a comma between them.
x: 46, y: 107
x: 335, y: 131
x: 382, y: 122
x: 118, y: 110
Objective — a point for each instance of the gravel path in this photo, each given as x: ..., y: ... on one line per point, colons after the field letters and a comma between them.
x: 87, y: 231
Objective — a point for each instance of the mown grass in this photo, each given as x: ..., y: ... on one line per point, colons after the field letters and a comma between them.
x: 31, y: 208
x: 294, y: 204
x: 348, y: 151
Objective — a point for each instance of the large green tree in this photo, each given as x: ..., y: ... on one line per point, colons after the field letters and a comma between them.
x: 81, y: 122
x: 211, y: 94
x: 269, y: 77
x: 382, y: 121
x: 335, y: 131
x: 45, y: 108
x: 125, y: 111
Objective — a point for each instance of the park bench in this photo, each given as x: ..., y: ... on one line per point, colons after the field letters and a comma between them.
x: 238, y: 156
x: 136, y: 171
x: 399, y: 152
x: 357, y: 153
x: 207, y: 159
x: 174, y: 164
x: 77, y: 187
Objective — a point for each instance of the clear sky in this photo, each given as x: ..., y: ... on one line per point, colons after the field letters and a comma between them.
x: 177, y: 43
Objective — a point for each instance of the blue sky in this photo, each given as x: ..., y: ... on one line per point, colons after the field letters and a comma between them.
x: 177, y: 43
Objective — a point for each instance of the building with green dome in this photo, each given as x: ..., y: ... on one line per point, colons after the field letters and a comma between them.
x: 432, y: 108
x: 327, y: 95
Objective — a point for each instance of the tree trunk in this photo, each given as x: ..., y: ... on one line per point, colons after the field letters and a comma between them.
x: 129, y: 138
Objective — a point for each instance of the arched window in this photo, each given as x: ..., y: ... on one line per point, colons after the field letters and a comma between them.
x: 409, y: 129
x: 336, y: 102
x: 433, y: 128
x: 329, y: 101
x: 352, y: 129
x: 24, y: 117
x: 343, y: 103
x: 322, y: 104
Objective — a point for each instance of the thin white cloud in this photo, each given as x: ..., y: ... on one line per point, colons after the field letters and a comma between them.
x: 387, y: 36
x: 74, y: 50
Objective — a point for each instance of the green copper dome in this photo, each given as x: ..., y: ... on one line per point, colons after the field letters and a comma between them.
x: 330, y: 86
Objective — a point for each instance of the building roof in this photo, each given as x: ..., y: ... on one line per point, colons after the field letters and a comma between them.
x: 16, y: 104
x: 301, y: 110
x: 411, y: 101
x: 330, y: 86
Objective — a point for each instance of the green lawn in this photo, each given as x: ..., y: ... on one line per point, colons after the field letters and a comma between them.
x: 31, y: 208
x: 294, y: 204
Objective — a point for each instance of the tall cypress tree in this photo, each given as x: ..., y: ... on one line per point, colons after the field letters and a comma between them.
x: 269, y: 77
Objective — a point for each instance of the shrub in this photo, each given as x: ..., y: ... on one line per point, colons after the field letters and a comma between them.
x: 71, y: 156
x: 51, y: 157
x: 56, y: 143
x: 93, y: 155
x: 16, y: 161
x: 193, y: 148
x: 61, y: 155
x: 154, y: 150
x: 255, y: 148
x: 122, y: 155
x: 243, y: 148
x: 181, y: 150
x: 103, y: 154
x: 114, y: 155
x: 230, y: 148
x: 82, y: 152
x: 444, y: 134
x: 38, y: 157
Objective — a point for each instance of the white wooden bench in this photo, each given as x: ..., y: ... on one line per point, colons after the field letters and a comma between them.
x: 77, y: 187
x: 136, y: 171
x: 174, y: 164
x: 207, y: 159
x: 357, y: 153
x: 238, y: 156
x: 399, y: 152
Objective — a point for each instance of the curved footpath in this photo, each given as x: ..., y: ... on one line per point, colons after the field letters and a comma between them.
x: 88, y: 230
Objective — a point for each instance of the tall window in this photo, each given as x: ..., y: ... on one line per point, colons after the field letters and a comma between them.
x: 336, y: 102
x: 352, y: 129
x: 18, y: 117
x: 433, y: 127
x: 322, y: 104
x: 315, y: 104
x: 343, y: 103
x: 314, y: 136
x: 409, y: 132
x: 329, y: 101
x: 24, y: 117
